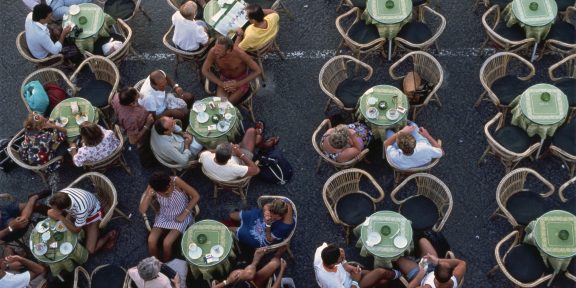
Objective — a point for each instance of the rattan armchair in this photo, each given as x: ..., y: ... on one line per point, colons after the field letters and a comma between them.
x: 560, y: 146
x: 514, y: 183
x: 286, y: 242
x: 361, y: 4
x: 174, y: 4
x: 316, y: 138
x: 563, y: 73
x: 400, y: 174
x: 45, y: 76
x: 105, y: 192
x: 155, y: 207
x: 49, y: 61
x: 504, y: 66
x: 569, y: 201
x: 427, y: 186
x: 554, y: 43
x: 237, y: 186
x: 13, y: 153
x: 433, y: 21
x: 344, y: 23
x: 137, y: 8
x: 344, y: 188
x: 114, y: 159
x: 428, y: 68
x: 270, y: 47
x: 491, y: 22
x: 119, y: 55
x: 195, y: 58
x: 113, y: 275
x: 509, y: 158
x: 174, y: 168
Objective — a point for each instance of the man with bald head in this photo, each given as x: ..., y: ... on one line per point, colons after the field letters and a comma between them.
x: 189, y: 34
x: 155, y: 99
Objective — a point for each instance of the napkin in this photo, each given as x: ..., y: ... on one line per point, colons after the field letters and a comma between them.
x: 212, y: 127
x: 74, y: 107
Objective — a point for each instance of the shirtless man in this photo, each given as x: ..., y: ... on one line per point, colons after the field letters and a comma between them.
x: 236, y: 68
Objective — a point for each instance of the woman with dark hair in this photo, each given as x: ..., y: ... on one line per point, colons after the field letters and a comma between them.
x: 177, y: 200
x: 97, y: 144
x: 41, y: 139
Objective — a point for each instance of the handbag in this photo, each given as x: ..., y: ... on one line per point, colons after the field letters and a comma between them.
x: 274, y: 168
x: 36, y: 97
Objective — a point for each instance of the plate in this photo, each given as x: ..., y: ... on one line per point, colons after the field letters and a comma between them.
x: 74, y: 9
x: 372, y: 113
x: 223, y: 126
x: 392, y: 114
x: 228, y: 116
x: 373, y: 239
x: 217, y: 250
x: 40, y: 249
x: 46, y: 236
x: 42, y: 227
x: 81, y: 119
x: 199, y: 107
x: 195, y: 253
x: 60, y: 227
x: 66, y: 248
x: 371, y: 100
x: 62, y: 121
x: 202, y: 117
x: 400, y: 241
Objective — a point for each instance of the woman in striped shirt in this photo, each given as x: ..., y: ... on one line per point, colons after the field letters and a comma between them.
x: 84, y: 208
x: 176, y: 199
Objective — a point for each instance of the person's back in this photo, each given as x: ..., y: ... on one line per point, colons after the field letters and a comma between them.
x: 330, y: 279
x: 189, y: 34
x: 422, y: 155
x: 93, y: 152
x: 264, y: 27
x: 232, y: 170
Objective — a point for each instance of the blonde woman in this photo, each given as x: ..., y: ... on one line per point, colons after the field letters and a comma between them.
x: 344, y: 142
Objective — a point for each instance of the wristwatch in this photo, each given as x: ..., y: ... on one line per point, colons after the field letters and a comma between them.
x: 70, y: 149
x: 10, y: 229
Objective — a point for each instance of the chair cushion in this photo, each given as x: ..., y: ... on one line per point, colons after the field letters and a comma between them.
x: 526, y: 206
x: 415, y: 32
x: 97, y: 92
x: 353, y: 208
x: 361, y: 4
x: 514, y: 33
x: 525, y: 263
x: 501, y: 3
x: 363, y: 33
x: 507, y: 88
x: 568, y: 86
x: 563, y: 4
x: 565, y: 138
x: 110, y: 276
x: 122, y: 9
x: 349, y: 90
x: 512, y: 138
x: 421, y: 211
x: 418, y: 2
x: 563, y: 31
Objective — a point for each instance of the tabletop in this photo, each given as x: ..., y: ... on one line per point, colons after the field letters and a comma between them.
x: 546, y: 234
x: 543, y: 13
x: 393, y: 97
x: 544, y: 110
x: 215, y: 232
x: 94, y: 16
x: 214, y: 131
x: 389, y: 11
x: 53, y: 255
x: 63, y: 109
x: 398, y: 226
x: 225, y: 15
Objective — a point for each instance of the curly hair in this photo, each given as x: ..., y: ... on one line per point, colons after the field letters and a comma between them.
x: 32, y: 124
x: 406, y: 142
x: 339, y: 137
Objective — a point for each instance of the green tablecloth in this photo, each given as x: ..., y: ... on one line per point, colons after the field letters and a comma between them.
x: 63, y: 110
x: 543, y: 233
x: 97, y: 25
x: 384, y: 252
x: 536, y: 23
x: 212, y: 8
x: 389, y: 21
x: 210, y: 138
x: 53, y: 258
x: 216, y: 233
x: 380, y: 124
x: 536, y: 116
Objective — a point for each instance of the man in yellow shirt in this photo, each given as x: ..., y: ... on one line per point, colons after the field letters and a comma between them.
x: 263, y: 28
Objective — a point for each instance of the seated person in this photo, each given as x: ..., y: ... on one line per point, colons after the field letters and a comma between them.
x: 264, y: 226
x: 253, y: 277
x: 14, y: 216
x: 38, y: 38
x: 345, y: 142
x: 441, y: 273
x: 147, y: 275
x: 264, y: 25
x: 177, y: 200
x: 82, y: 207
x: 97, y: 144
x: 10, y: 268
x: 41, y: 139
x: 171, y: 144
x: 132, y: 116
x: 332, y: 271
x: 236, y: 68
x: 189, y: 34
x: 411, y: 147
x: 156, y: 100
x: 60, y: 7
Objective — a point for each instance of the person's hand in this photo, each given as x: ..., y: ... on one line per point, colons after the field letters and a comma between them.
x: 283, y: 264
x: 356, y: 276
x: 230, y: 86
x: 176, y: 281
x: 18, y: 223
x: 67, y: 30
x: 431, y: 258
x: 181, y: 217
x: 342, y: 255
x: 424, y: 132
x: 240, y: 32
x: 54, y: 214
x: 236, y: 150
x: 179, y: 91
x: 13, y: 258
x: 149, y: 120
x: 267, y: 217
x: 408, y: 129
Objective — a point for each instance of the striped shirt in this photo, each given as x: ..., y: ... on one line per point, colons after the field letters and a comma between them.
x: 84, y: 205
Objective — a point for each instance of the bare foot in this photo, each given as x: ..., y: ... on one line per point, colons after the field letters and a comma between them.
x: 112, y: 237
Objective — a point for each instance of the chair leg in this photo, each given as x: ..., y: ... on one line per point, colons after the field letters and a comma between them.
x: 347, y: 235
x: 215, y: 191
x: 415, y: 113
x: 123, y: 215
x: 493, y: 270
x: 484, y: 155
x: 318, y: 164
x: 494, y: 214
x: 145, y: 14
x: 125, y: 165
x: 480, y: 99
x: 339, y: 47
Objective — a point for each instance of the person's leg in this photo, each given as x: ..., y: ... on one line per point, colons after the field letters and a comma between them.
x: 27, y: 208
x: 408, y: 267
x: 167, y: 244
x: 236, y: 96
x: 220, y: 92
x: 263, y: 275
x: 93, y: 243
x: 376, y: 276
x: 426, y: 248
x: 250, y: 140
x: 153, y: 238
x: 416, y: 133
x: 235, y: 215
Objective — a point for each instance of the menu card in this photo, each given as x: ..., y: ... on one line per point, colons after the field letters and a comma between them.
x: 232, y: 19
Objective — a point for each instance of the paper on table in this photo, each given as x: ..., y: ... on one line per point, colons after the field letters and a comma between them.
x: 218, y: 14
x: 234, y: 18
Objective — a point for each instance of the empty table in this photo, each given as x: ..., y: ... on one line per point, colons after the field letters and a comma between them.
x: 389, y: 17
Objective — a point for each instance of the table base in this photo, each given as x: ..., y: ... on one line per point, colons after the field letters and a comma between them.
x: 222, y: 268
x: 78, y: 257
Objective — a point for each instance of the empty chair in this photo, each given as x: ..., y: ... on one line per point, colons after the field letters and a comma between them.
x: 262, y: 200
x: 116, y: 158
x: 510, y: 39
x: 429, y: 206
x: 563, y: 73
x: 195, y: 58
x: 124, y: 9
x: 120, y: 54
x: 50, y: 61
x: 489, y: 3
x: 563, y: 146
x: 567, y: 193
x: 103, y: 276
x: 48, y: 76
x: 421, y: 34
x: 569, y: 272
x: 361, y: 38
x: 561, y: 39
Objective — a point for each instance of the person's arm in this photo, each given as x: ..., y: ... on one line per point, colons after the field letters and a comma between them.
x: 253, y: 169
x: 52, y: 125
x: 149, y: 194
x: 194, y: 198
x: 58, y: 216
x: 34, y: 268
x: 415, y: 283
x: 136, y: 137
x: 278, y: 281
x: 407, y: 129
x: 459, y: 267
x: 207, y: 69
x: 177, y: 89
x: 430, y: 139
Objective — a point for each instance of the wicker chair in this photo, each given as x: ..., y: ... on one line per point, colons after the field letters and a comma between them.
x: 559, y: 33
x: 316, y: 138
x: 174, y: 4
x: 503, y: 139
x: 428, y: 68
x: 237, y: 186
x: 489, y: 3
x: 431, y: 204
x: 516, y: 202
x: 335, y: 74
x: 569, y: 201
x: 195, y: 58
x: 105, y: 192
x: 355, y: 205
x: 12, y: 152
x: 520, y: 261
x: 258, y: 54
x: 286, y: 242
x: 49, y: 61
x: 410, y: 37
x: 155, y: 207
x: 114, y: 159
x: 119, y: 55
x: 346, y: 24
x: 494, y: 28
x: 137, y: 8
x: 45, y: 76
x: 563, y: 73
x: 174, y: 168
x: 112, y: 275
x: 280, y: 7
x: 563, y: 147
x: 400, y: 174
x: 501, y: 77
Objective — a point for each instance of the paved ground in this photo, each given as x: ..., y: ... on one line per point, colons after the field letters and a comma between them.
x: 292, y: 105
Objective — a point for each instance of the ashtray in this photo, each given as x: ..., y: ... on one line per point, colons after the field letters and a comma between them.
x: 82, y: 20
x: 563, y: 234
x: 215, y: 118
x: 382, y: 105
x: 385, y: 230
x: 533, y: 6
x: 201, y: 238
x: 545, y: 96
x: 389, y: 4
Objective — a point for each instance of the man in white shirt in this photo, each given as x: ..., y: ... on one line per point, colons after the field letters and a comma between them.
x: 60, y: 7
x: 170, y: 144
x: 18, y: 280
x: 156, y: 100
x: 147, y: 274
x: 38, y: 38
x: 332, y: 271
x: 411, y: 147
x: 189, y: 34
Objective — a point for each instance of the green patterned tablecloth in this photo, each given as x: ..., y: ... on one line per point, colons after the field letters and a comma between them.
x: 97, y: 25
x: 384, y: 252
x: 540, y: 117
x: 54, y: 258
x: 207, y: 133
x: 63, y: 110
x: 381, y: 123
x: 536, y: 23
x: 389, y: 21
x: 216, y: 234
x: 544, y: 234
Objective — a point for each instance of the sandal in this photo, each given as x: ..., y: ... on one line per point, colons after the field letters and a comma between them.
x: 269, y: 143
x: 259, y: 126
x: 112, y: 237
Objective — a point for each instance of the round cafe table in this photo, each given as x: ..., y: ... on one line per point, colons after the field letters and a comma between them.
x: 208, y: 133
x: 381, y: 123
x: 63, y: 109
x: 56, y: 260
x: 96, y: 25
x: 384, y: 252
x: 216, y: 234
x: 388, y: 19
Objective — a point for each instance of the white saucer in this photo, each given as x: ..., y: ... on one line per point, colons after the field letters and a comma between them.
x: 202, y: 117
x: 400, y: 241
x: 373, y: 239
x: 392, y: 114
x: 66, y: 248
x: 40, y: 249
x: 74, y: 9
x: 372, y: 113
x: 217, y: 250
x: 195, y: 253
x: 371, y: 100
x: 366, y: 222
x: 46, y: 236
x: 223, y: 126
x: 227, y: 116
x: 62, y: 121
x: 60, y: 227
x: 42, y: 227
x: 199, y: 107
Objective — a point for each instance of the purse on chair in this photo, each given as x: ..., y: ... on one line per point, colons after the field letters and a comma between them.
x: 415, y: 87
